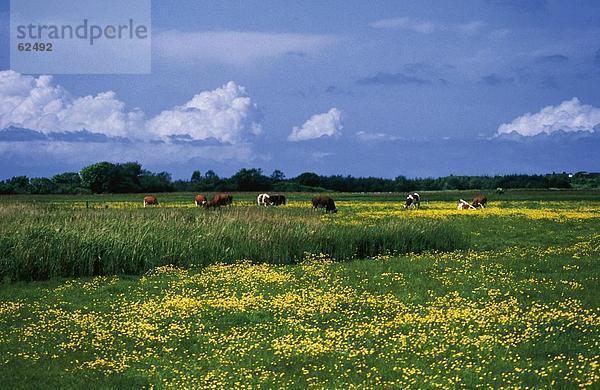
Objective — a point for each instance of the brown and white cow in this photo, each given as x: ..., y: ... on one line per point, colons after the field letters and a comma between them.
x: 263, y: 200
x: 413, y: 200
x: 150, y: 200
x: 324, y: 201
x: 464, y: 205
x: 219, y: 200
x: 479, y: 201
x: 200, y: 200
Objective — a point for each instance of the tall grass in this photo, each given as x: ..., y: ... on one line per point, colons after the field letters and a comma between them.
x: 42, y: 241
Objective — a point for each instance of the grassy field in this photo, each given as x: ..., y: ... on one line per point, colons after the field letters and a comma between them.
x: 504, y: 297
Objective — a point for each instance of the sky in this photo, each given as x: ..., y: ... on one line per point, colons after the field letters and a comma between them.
x: 338, y: 87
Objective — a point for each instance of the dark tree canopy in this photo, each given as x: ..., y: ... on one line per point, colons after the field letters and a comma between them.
x: 129, y: 177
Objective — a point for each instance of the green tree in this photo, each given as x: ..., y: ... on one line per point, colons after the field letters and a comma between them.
x: 251, y: 180
x: 67, y: 183
x: 277, y: 176
x: 19, y: 184
x: 42, y: 185
x: 196, y: 177
x: 97, y: 177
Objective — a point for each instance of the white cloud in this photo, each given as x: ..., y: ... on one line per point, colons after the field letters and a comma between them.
x: 369, y: 137
x: 37, y: 103
x: 366, y: 136
x: 428, y: 26
x: 570, y: 115
x: 226, y: 114
x: 420, y: 26
x: 234, y: 47
x: 327, y: 124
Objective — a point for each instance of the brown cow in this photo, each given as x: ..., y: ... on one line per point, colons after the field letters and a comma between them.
x: 324, y: 201
x: 219, y: 200
x: 277, y: 200
x: 200, y: 200
x: 479, y: 201
x: 150, y: 200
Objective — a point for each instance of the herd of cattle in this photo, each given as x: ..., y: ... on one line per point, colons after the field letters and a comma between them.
x: 413, y: 200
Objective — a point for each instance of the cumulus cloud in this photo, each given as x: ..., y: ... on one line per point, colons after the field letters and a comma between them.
x: 570, y: 115
x: 226, y: 114
x: 38, y: 104
x: 235, y: 47
x: 328, y: 124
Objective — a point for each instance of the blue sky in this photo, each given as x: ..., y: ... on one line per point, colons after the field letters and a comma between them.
x: 400, y: 87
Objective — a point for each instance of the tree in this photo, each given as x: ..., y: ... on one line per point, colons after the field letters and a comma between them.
x: 277, y: 176
x: 251, y: 180
x: 19, y: 184
x: 67, y: 183
x: 156, y: 182
x: 309, y: 179
x: 196, y: 177
x: 97, y: 177
x: 42, y: 185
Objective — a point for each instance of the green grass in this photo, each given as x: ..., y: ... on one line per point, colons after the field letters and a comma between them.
x: 519, y: 307
x: 40, y: 241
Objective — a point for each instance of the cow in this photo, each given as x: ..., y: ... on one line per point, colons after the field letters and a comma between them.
x: 277, y: 200
x: 413, y: 200
x: 479, y: 201
x: 219, y: 200
x: 150, y: 200
x: 263, y: 200
x: 499, y: 190
x: 200, y: 200
x: 324, y: 201
x: 464, y: 205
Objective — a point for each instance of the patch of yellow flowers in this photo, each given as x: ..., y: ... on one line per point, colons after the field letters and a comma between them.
x: 192, y: 329
x: 311, y: 325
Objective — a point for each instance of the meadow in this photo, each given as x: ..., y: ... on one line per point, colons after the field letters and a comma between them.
x: 373, y: 296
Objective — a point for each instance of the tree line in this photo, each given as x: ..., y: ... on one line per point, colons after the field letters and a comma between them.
x: 130, y: 177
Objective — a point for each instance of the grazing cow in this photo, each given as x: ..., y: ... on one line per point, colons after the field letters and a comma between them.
x: 219, y: 200
x: 200, y: 200
x: 150, y: 200
x: 413, y: 200
x: 277, y: 200
x: 464, y: 205
x: 263, y: 200
x: 479, y: 201
x: 499, y: 190
x: 324, y: 201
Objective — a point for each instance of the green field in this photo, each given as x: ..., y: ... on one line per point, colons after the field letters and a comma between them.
x: 98, y: 291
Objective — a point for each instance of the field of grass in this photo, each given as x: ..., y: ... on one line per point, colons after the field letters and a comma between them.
x: 504, y: 297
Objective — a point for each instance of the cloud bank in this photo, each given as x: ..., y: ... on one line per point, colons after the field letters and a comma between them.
x: 226, y: 114
x: 38, y: 104
x: 570, y: 115
x: 328, y: 124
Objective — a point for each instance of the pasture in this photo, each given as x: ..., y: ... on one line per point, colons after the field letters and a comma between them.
x: 97, y: 289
